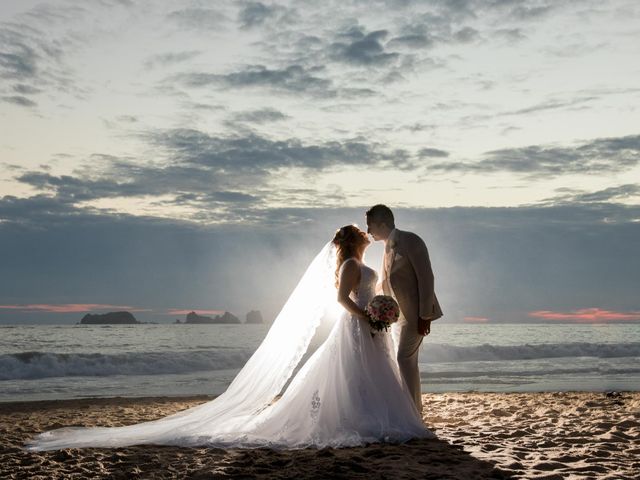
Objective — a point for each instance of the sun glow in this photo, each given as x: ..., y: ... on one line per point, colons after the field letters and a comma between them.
x: 71, y: 307
x: 587, y: 315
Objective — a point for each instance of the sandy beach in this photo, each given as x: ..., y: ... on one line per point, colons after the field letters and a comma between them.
x: 480, y: 435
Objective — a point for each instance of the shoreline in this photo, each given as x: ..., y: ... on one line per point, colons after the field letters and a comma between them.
x: 480, y: 435
x: 153, y: 399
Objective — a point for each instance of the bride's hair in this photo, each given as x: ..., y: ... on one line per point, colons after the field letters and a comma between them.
x: 349, y: 241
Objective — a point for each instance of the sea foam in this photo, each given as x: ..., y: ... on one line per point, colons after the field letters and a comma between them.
x: 486, y: 352
x: 37, y: 364
x: 34, y: 365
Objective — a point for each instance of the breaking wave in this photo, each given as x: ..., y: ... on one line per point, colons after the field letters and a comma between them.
x: 487, y: 352
x: 34, y: 365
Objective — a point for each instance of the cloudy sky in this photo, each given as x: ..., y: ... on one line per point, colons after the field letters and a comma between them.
x: 166, y: 156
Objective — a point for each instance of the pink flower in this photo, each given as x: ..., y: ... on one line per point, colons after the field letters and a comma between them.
x: 382, y: 310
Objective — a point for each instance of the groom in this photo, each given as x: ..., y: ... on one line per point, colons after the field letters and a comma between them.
x: 407, y: 277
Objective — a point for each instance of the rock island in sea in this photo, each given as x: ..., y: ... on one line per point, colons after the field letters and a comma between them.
x: 254, y: 316
x: 226, y: 317
x: 110, y: 318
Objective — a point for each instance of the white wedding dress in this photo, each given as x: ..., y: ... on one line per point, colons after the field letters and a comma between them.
x: 348, y: 393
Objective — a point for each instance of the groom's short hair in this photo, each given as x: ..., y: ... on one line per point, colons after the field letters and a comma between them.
x: 381, y: 214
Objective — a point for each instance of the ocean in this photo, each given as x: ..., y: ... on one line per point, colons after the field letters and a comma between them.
x: 46, y: 362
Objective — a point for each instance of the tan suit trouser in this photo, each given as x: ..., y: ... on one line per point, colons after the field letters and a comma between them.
x: 409, y: 341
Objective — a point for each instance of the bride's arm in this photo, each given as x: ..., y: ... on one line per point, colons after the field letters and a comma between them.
x: 349, y: 279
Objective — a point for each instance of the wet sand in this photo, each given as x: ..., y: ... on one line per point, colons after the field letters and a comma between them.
x: 480, y: 436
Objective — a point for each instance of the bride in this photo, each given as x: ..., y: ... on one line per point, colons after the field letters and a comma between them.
x: 348, y: 393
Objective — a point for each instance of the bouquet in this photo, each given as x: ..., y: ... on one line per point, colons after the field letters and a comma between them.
x: 382, y: 311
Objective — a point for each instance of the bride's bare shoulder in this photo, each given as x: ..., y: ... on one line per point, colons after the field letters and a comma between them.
x: 350, y: 263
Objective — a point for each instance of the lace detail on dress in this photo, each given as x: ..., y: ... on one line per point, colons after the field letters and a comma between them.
x: 366, y: 288
x: 361, y: 297
x: 315, y: 406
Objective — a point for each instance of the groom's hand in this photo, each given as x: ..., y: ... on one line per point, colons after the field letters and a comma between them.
x: 424, y: 326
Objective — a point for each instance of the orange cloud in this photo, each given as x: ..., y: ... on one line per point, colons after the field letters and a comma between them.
x: 475, y: 320
x: 587, y: 315
x: 174, y: 311
x: 71, y: 307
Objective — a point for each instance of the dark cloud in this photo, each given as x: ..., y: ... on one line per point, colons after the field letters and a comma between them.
x: 352, y: 46
x: 511, y: 34
x: 418, y: 127
x: 523, y: 12
x: 254, y: 153
x: 26, y: 89
x: 550, y: 105
x: 255, y: 14
x: 106, y: 176
x: 443, y: 22
x: 236, y: 197
x: 70, y: 189
x: 204, y: 106
x: 603, y: 155
x: 127, y: 118
x: 579, y: 101
x: 519, y: 10
x: 19, y: 100
x: 362, y: 49
x: 208, y: 196
x: 199, y: 18
x: 432, y: 152
x: 294, y: 79
x: 428, y: 31
x: 20, y: 62
x: 264, y: 115
x: 612, y: 194
x: 308, y: 43
x: 171, y: 58
x: 417, y: 40
x: 227, y: 178
x: 221, y: 201
x: 12, y: 166
x: 37, y: 212
x: 454, y: 10
x: 466, y: 35
x: 32, y: 59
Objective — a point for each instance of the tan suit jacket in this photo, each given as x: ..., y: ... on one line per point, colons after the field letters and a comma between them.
x: 410, y: 277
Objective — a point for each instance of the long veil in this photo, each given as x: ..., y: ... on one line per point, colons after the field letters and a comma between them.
x: 253, y: 389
